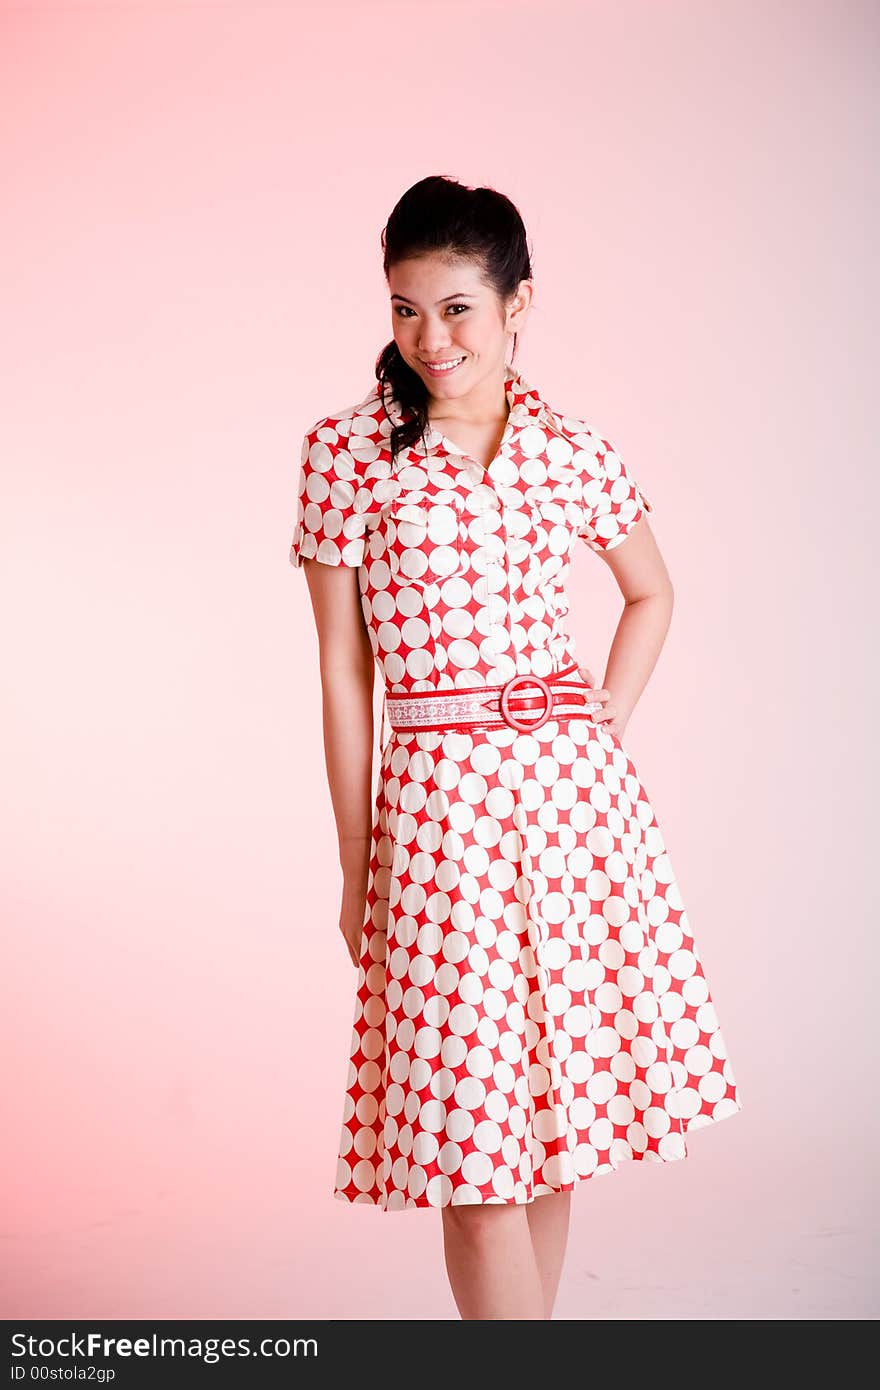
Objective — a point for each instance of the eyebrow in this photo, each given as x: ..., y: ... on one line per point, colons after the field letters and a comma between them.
x: 464, y: 295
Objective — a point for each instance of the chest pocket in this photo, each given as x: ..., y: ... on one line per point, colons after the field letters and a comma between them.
x: 425, y: 541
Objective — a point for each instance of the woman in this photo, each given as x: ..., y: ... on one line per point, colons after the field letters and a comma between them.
x: 531, y: 1009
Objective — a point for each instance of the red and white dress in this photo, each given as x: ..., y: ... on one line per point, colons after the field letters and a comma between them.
x: 531, y: 1008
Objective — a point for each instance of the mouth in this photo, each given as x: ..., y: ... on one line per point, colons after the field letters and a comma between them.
x: 443, y: 368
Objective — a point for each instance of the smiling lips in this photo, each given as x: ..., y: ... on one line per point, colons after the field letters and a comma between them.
x: 443, y: 368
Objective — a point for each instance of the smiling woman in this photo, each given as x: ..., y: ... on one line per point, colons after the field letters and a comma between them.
x: 454, y: 340
x: 531, y: 1009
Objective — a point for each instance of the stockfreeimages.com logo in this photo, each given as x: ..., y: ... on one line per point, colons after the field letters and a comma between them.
x: 94, y: 1345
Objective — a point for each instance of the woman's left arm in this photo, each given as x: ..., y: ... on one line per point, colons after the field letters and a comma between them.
x: 644, y: 581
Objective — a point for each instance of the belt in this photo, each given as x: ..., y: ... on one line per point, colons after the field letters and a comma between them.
x: 494, y: 706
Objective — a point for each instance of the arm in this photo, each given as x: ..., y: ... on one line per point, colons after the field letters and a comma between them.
x: 644, y: 581
x: 347, y: 670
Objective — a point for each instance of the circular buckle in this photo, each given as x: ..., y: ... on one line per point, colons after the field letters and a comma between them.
x: 511, y: 719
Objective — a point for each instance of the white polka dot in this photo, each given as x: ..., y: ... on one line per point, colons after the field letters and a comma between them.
x: 712, y: 1086
x: 438, y: 1191
x: 470, y: 1093
x: 428, y: 1041
x: 463, y: 1019
x: 477, y: 1168
x: 488, y: 1136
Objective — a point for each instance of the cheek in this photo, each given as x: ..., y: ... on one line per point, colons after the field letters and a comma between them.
x: 480, y: 331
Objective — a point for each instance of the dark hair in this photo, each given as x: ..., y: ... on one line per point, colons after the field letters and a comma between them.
x: 439, y: 214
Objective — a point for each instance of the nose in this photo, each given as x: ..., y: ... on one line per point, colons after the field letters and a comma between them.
x: 431, y: 342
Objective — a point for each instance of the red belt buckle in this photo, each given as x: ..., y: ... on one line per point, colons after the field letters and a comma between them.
x: 511, y: 719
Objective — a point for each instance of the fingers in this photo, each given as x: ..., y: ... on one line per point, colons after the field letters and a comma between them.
x: 588, y: 677
x: 352, y: 947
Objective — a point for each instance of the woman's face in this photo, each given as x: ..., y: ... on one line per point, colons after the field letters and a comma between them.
x: 442, y: 312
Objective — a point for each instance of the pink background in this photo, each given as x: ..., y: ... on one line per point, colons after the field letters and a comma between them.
x: 191, y: 276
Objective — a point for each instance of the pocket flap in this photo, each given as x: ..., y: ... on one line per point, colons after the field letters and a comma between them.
x: 425, y: 540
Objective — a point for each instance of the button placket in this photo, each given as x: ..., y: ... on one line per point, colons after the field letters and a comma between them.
x: 495, y: 550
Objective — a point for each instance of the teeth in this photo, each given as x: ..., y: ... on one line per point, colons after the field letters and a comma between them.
x: 444, y: 366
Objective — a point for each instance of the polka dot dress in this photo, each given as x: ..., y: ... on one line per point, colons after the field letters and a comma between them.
x: 531, y: 1008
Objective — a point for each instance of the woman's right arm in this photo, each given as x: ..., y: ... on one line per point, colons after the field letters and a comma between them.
x: 347, y: 671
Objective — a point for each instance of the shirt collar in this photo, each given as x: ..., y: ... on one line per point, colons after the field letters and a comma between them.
x: 527, y: 407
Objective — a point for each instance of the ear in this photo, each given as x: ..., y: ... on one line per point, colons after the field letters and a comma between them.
x: 518, y: 306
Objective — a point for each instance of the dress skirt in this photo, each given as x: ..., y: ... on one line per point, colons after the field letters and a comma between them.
x: 531, y: 1008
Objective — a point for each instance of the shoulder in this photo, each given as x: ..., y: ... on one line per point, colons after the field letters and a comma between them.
x: 333, y: 496
x: 607, y: 486
x: 332, y: 428
x: 580, y: 433
x: 352, y: 429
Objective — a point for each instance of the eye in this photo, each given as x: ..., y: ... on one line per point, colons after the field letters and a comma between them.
x: 404, y: 309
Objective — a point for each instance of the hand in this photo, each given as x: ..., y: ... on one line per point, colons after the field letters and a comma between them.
x: 609, y: 715
x: 351, y: 917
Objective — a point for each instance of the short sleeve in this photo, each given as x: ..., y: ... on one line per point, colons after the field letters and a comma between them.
x: 613, y: 500
x: 329, y: 526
